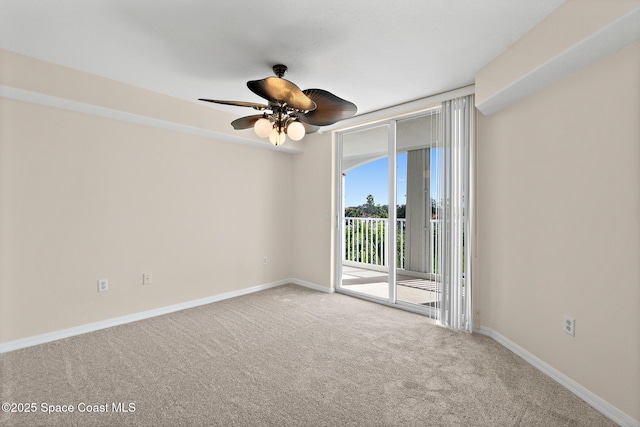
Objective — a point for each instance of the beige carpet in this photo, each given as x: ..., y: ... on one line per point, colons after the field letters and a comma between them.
x: 287, y: 356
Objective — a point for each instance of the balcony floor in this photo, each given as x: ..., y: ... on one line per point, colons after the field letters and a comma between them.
x: 376, y: 283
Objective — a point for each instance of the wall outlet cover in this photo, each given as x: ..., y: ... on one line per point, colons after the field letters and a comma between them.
x: 570, y: 325
x: 146, y: 278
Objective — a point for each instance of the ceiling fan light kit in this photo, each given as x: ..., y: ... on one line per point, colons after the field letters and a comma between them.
x: 290, y: 111
x: 296, y: 131
x: 263, y: 127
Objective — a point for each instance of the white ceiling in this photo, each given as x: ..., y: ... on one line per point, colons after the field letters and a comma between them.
x: 373, y: 53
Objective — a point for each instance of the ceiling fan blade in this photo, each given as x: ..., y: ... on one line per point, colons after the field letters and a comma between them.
x: 330, y: 108
x: 245, y: 122
x: 260, y: 107
x: 280, y: 91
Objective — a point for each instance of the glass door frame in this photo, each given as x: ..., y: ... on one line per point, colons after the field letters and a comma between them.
x: 391, y: 239
x: 387, y: 116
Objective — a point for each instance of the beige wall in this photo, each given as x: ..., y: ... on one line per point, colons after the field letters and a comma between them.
x: 313, y: 223
x: 85, y: 197
x: 559, y: 226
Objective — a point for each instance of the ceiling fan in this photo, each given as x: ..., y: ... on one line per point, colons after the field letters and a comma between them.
x: 290, y: 111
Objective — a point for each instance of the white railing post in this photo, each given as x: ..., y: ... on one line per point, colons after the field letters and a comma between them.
x: 385, y: 261
x: 401, y: 226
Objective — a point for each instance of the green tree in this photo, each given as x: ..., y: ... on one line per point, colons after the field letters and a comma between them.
x: 370, y: 206
x: 369, y: 209
x: 352, y: 212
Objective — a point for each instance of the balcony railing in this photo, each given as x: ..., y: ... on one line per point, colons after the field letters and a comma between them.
x: 365, y: 242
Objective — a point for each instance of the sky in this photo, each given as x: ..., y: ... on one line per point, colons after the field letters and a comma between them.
x: 371, y: 178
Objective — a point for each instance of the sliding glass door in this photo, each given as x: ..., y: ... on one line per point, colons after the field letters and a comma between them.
x: 405, y: 227
x: 365, y: 221
x: 417, y: 179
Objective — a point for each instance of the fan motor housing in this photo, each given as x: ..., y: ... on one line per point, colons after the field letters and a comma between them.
x: 280, y: 70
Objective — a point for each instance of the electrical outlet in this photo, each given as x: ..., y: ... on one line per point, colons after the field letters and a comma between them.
x: 570, y: 325
x: 103, y: 285
x: 146, y: 278
x: 264, y: 260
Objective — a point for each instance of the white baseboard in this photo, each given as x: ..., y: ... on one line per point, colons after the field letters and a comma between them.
x: 601, y: 405
x: 311, y: 286
x: 103, y: 324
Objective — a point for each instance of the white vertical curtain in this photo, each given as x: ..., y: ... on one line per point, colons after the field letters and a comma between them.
x: 453, y: 212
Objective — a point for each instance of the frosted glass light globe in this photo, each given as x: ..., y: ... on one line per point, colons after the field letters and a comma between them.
x: 295, y: 131
x: 262, y: 127
x: 277, y: 138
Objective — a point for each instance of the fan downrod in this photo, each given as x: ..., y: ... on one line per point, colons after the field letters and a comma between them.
x: 280, y: 70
